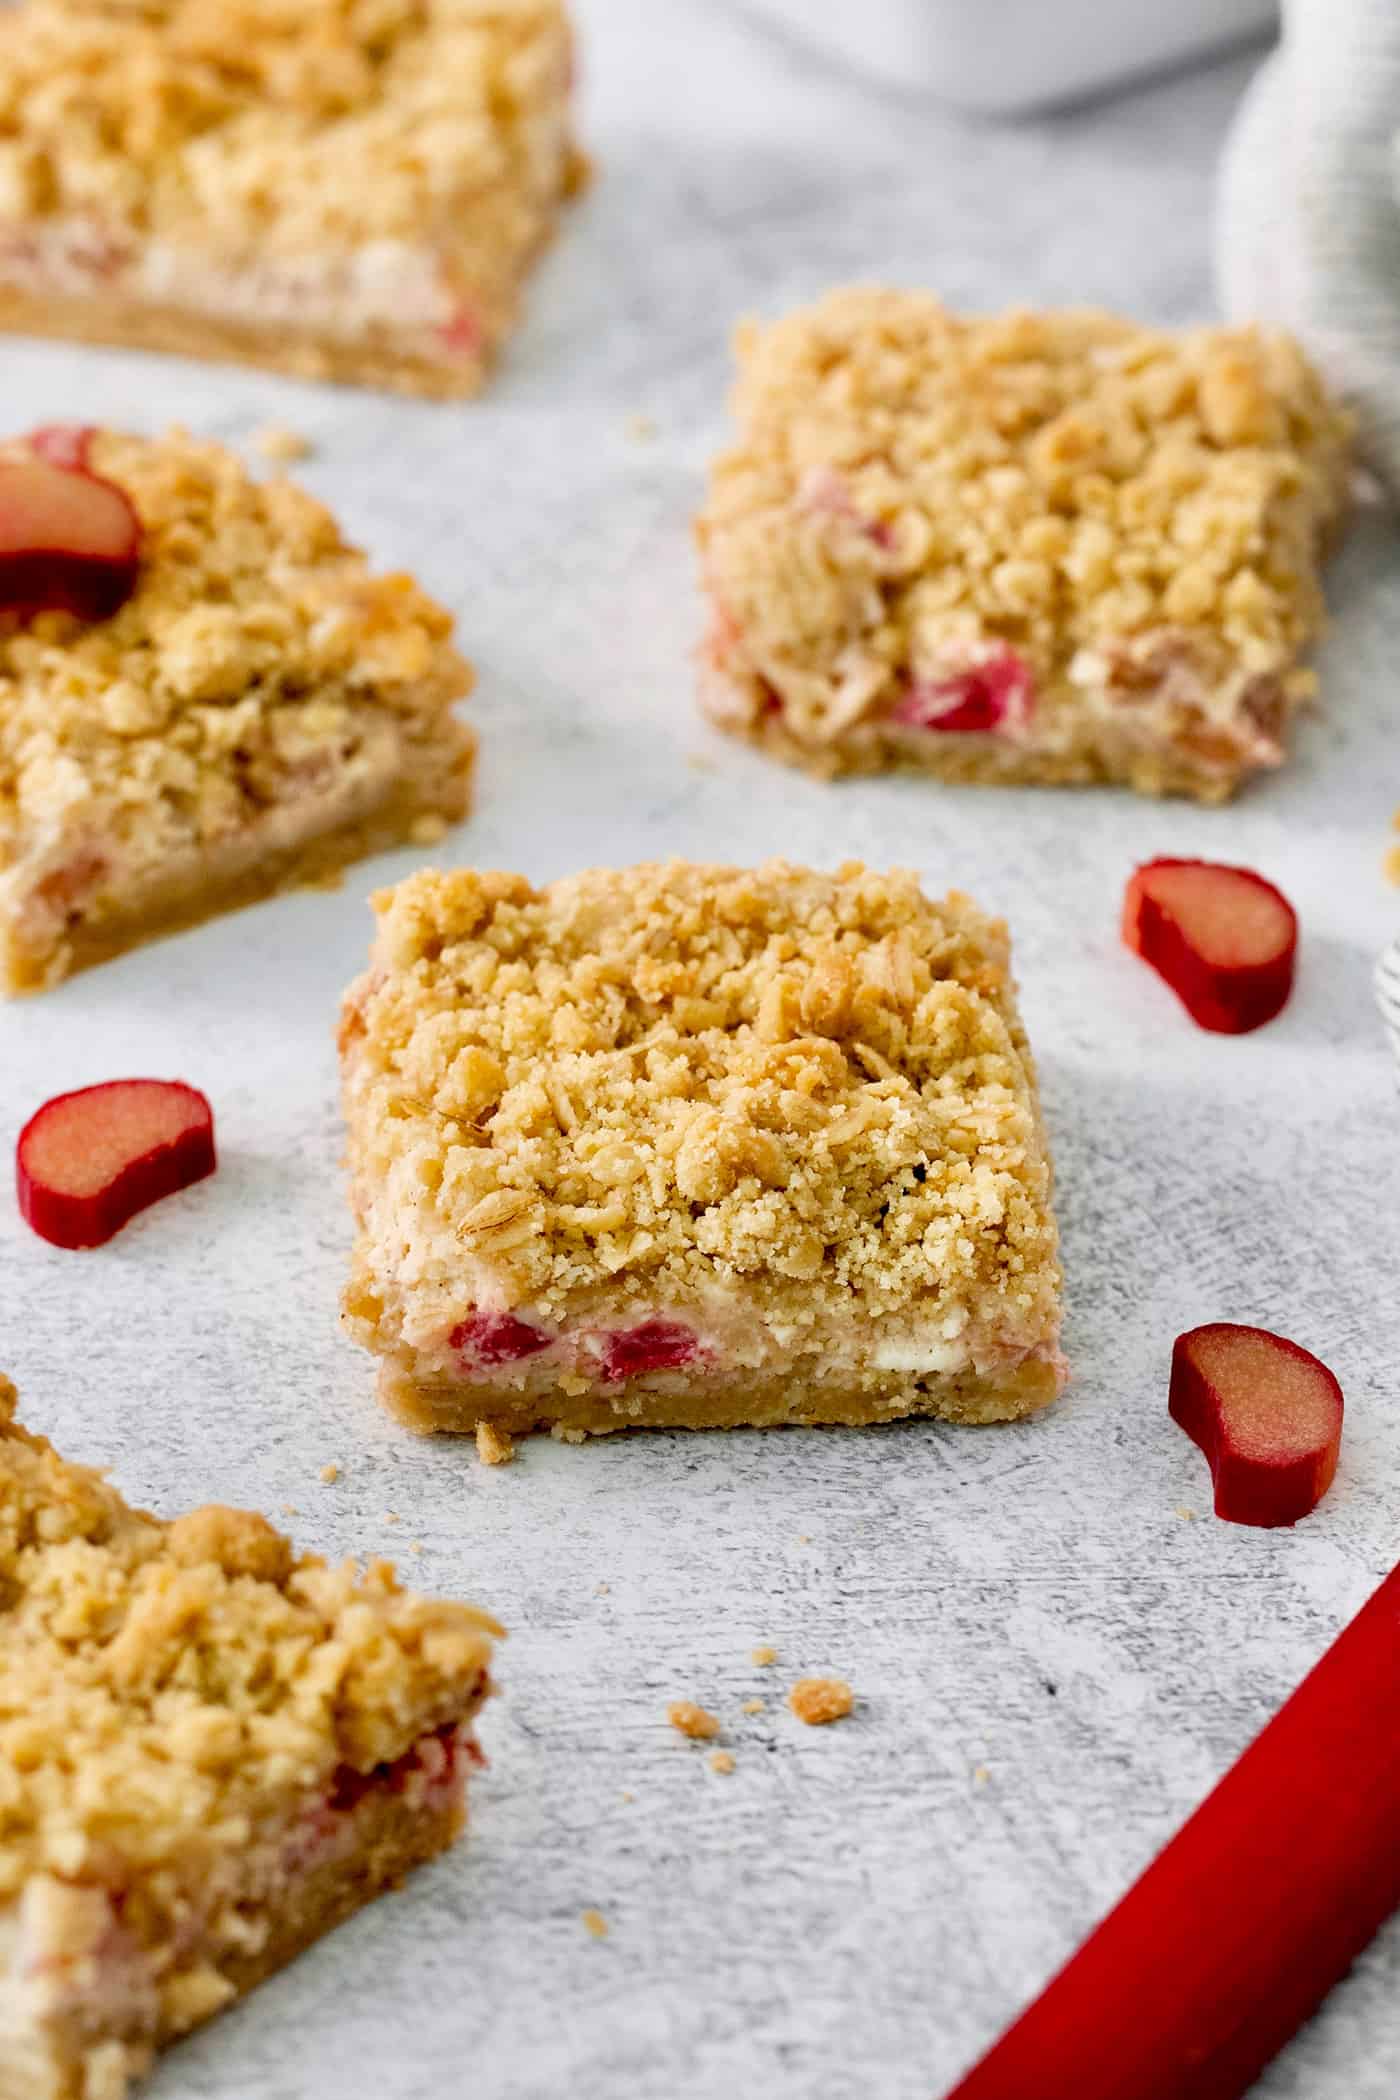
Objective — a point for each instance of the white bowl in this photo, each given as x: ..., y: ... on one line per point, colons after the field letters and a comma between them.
x: 1009, y: 55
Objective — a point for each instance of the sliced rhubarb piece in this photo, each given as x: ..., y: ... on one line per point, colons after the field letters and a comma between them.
x: 1267, y: 1415
x: 1224, y: 939
x: 655, y: 1345
x: 1236, y: 1932
x: 497, y: 1338
x: 992, y: 697
x: 69, y: 541
x: 88, y: 1161
x: 64, y: 444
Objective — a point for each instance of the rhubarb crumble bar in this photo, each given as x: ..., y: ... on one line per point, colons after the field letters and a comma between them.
x: 205, y: 696
x: 695, y: 1146
x: 211, y: 1752
x: 1045, y: 547
x: 344, y: 189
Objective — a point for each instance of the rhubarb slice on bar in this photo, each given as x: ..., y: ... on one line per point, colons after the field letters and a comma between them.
x: 688, y: 1146
x: 256, y: 710
x: 214, y: 1752
x: 349, y: 193
x: 1041, y: 547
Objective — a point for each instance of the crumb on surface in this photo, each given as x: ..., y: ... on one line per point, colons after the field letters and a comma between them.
x: 692, y: 1720
x: 595, y: 1924
x: 1184, y: 1513
x: 415, y: 1545
x: 641, y: 428
x: 804, y: 1538
x: 276, y: 442
x: 428, y: 829
x: 330, y: 1472
x: 765, y: 1655
x: 817, y: 1700
x: 721, y: 1761
x: 1391, y: 864
x: 391, y: 1516
x: 752, y: 1706
x: 289, y: 1509
x: 980, y: 1775
x: 494, y: 1447
x: 628, y: 1797
x: 602, y: 1589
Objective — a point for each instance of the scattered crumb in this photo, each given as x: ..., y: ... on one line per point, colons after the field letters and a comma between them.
x: 330, y: 1472
x: 1184, y: 1513
x: 817, y: 1700
x: 289, y: 1509
x: 391, y: 1516
x: 753, y: 1706
x: 494, y: 1447
x: 764, y: 1656
x: 602, y: 1589
x: 628, y: 1797
x: 692, y: 1720
x: 596, y: 1923
x: 275, y: 441
x: 415, y: 1545
x: 980, y: 1775
x: 428, y: 829
x: 701, y: 762
x: 721, y: 1761
x: 641, y: 428
x: 1391, y: 864
x: 804, y: 1538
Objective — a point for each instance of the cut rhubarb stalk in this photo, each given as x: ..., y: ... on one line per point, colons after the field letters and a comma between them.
x: 1236, y: 1933
x: 497, y: 1338
x: 88, y: 1161
x: 64, y: 444
x: 992, y: 697
x: 1223, y: 938
x: 1267, y: 1415
x: 69, y: 541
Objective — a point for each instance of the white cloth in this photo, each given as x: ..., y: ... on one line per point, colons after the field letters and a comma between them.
x: 1308, y: 228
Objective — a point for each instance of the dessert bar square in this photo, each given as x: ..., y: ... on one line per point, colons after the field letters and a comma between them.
x: 1047, y: 547
x: 212, y: 1752
x: 260, y: 709
x: 342, y: 191
x: 685, y: 1146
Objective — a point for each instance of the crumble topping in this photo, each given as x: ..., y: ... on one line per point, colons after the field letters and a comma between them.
x: 242, y: 671
x: 283, y: 126
x: 910, y: 486
x: 676, y: 1082
x: 692, y: 1720
x: 817, y: 1700
x: 168, y: 1689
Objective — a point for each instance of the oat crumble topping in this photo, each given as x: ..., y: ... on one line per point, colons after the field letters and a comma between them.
x: 639, y: 1085
x: 692, y: 1720
x: 168, y: 1688
x: 817, y: 1700
x: 909, y: 483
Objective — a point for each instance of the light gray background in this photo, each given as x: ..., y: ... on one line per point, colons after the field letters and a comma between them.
x: 851, y: 1912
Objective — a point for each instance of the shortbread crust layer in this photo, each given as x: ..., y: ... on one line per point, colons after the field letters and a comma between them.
x: 1049, y: 547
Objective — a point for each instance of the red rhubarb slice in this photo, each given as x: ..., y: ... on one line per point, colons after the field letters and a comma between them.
x: 496, y: 1338
x: 990, y: 697
x: 655, y: 1345
x: 69, y: 541
x: 88, y: 1161
x: 1224, y: 939
x: 1267, y: 1415
x: 1236, y: 1932
x: 64, y: 444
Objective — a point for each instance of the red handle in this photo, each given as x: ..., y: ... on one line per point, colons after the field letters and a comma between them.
x: 1238, y: 1930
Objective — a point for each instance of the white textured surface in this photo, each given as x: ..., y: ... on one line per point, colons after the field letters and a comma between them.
x: 849, y: 1913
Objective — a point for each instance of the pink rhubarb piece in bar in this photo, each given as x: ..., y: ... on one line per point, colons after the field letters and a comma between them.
x: 214, y: 1752
x: 244, y: 708
x: 695, y: 1146
x: 352, y: 193
x: 1049, y: 547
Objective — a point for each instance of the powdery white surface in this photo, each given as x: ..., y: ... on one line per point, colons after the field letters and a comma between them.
x: 854, y: 1911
